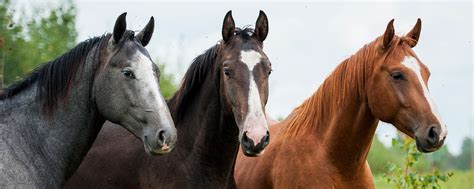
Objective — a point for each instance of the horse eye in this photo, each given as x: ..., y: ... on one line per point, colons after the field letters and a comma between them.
x: 226, y: 71
x: 397, y: 75
x: 128, y: 74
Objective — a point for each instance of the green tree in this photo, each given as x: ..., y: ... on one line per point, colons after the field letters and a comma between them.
x: 465, y: 160
x: 10, y: 39
x: 167, y: 84
x: 442, y: 159
x: 35, y: 41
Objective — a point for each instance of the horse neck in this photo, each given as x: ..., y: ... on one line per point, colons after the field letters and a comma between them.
x: 208, y: 134
x: 337, y: 117
x: 348, y: 138
x: 59, y: 141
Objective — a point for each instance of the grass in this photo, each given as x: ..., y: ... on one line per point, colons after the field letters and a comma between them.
x: 460, y: 180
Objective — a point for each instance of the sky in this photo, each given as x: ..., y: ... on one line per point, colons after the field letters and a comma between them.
x: 307, y: 40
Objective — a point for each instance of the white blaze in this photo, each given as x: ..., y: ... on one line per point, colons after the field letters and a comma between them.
x: 251, y: 58
x: 411, y: 63
x: 255, y: 118
x: 148, y: 85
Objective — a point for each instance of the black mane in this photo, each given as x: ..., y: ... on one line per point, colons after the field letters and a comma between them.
x: 55, y: 78
x: 193, y: 80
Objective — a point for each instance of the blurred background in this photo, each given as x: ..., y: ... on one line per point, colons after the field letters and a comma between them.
x: 306, y: 41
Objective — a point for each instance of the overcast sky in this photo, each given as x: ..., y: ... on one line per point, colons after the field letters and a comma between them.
x: 307, y: 40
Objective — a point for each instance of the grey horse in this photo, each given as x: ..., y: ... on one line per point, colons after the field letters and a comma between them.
x: 49, y: 119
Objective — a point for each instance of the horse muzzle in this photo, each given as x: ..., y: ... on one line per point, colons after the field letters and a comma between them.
x: 160, y: 142
x: 253, y: 149
x: 430, y: 140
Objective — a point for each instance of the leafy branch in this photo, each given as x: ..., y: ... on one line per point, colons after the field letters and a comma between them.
x: 404, y: 177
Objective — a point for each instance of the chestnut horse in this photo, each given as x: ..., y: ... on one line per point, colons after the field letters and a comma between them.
x: 221, y: 101
x: 324, y: 142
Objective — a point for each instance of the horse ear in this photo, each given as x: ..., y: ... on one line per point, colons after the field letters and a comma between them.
x: 415, y: 33
x: 388, y: 35
x: 261, y: 27
x: 120, y: 27
x: 145, y: 35
x: 228, y: 28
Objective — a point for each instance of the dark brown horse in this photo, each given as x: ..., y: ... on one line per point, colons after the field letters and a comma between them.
x: 325, y: 141
x: 221, y: 101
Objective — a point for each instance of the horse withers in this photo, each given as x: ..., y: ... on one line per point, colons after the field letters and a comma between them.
x: 221, y: 101
x: 49, y: 119
x: 324, y: 142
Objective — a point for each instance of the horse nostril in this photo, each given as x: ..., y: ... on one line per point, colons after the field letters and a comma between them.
x: 266, y: 138
x: 161, y: 136
x: 246, y: 142
x: 432, y: 136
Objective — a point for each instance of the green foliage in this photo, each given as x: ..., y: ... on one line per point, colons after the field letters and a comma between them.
x: 10, y: 38
x: 404, y: 176
x: 379, y: 155
x: 33, y: 41
x: 465, y: 160
x: 460, y: 180
x: 167, y: 85
x: 442, y: 159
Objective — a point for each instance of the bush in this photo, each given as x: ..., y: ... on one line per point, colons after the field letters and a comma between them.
x: 379, y: 155
x: 404, y: 176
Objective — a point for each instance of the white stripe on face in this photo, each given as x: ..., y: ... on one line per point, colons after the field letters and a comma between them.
x: 149, y: 85
x: 251, y: 58
x: 411, y: 63
x: 254, y: 123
